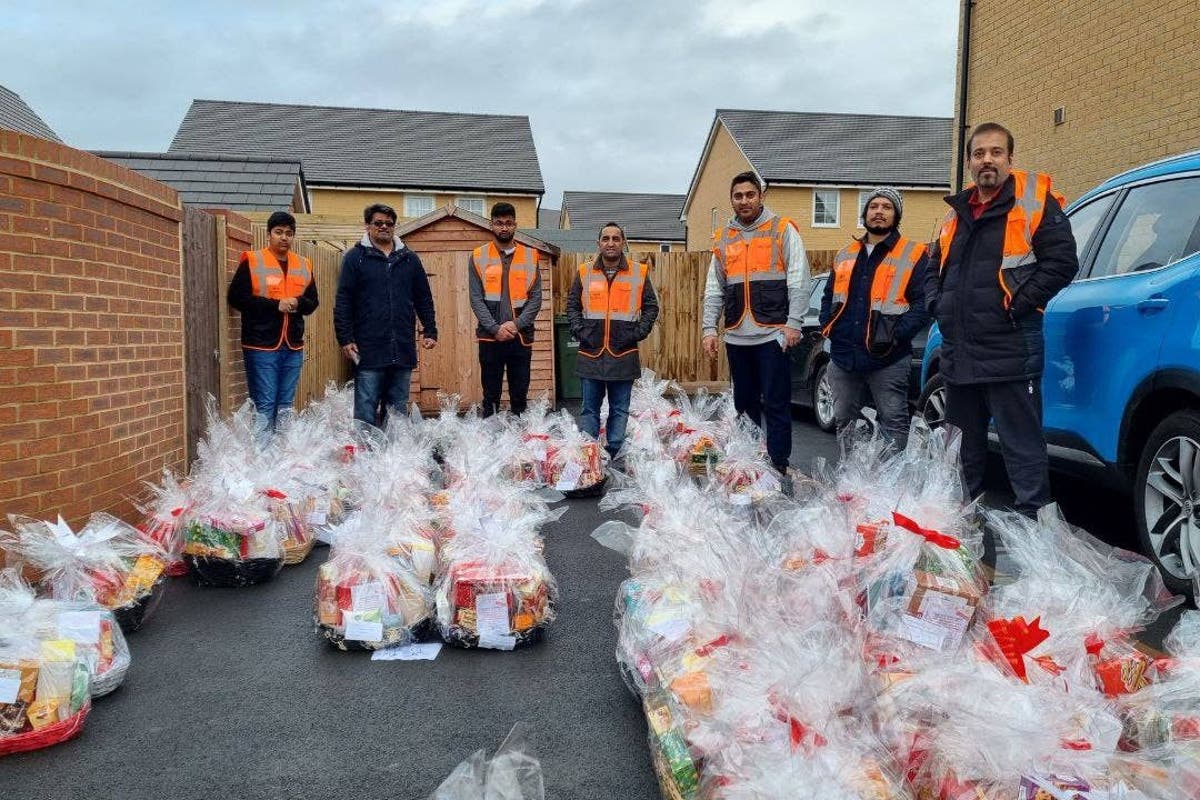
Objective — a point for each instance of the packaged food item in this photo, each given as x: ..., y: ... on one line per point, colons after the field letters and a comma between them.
x: 575, y: 462
x: 232, y: 542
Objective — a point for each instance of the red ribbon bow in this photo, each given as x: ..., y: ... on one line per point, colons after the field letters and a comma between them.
x: 1016, y: 639
x: 933, y: 537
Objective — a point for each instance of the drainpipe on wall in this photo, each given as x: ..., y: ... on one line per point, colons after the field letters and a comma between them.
x: 964, y: 72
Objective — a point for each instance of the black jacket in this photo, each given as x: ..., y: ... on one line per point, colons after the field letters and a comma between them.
x: 982, y: 342
x: 262, y: 321
x: 848, y: 339
x: 379, y: 299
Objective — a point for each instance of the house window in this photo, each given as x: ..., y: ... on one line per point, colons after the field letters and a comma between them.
x: 664, y: 248
x: 825, y: 208
x: 862, y: 204
x: 472, y: 204
x: 417, y: 205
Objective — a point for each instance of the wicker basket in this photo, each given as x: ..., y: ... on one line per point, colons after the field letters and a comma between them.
x: 139, y: 612
x: 459, y: 637
x: 295, y: 552
x: 48, y: 736
x: 231, y: 573
x: 391, y: 638
x: 112, y: 678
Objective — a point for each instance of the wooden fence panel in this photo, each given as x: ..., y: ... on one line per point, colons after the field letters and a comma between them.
x: 203, y: 284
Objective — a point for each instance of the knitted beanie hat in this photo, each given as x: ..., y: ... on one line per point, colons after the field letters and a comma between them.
x: 887, y: 193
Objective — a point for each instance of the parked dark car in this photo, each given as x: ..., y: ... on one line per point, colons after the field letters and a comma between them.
x: 810, y: 361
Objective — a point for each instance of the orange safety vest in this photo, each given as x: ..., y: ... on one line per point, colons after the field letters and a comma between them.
x: 267, y: 279
x: 617, y: 306
x: 888, y: 287
x: 755, y: 273
x: 522, y: 272
x: 1023, y: 220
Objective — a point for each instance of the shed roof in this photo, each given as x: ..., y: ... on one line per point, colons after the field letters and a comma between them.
x: 451, y: 210
x: 241, y: 183
x: 372, y: 147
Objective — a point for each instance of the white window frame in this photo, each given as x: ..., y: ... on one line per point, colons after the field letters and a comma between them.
x: 410, y: 197
x: 462, y: 199
x: 664, y: 247
x: 837, y: 216
x: 862, y: 195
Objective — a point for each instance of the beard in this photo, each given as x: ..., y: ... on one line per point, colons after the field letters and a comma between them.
x: 880, y: 230
x: 505, y: 237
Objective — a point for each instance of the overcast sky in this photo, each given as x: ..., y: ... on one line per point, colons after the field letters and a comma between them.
x: 620, y: 94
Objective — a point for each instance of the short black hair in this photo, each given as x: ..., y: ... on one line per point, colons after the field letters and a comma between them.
x: 379, y: 208
x: 281, y: 218
x: 504, y: 210
x: 990, y: 127
x: 610, y: 225
x: 745, y: 177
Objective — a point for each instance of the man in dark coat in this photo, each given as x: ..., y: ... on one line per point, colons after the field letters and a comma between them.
x: 1004, y: 250
x: 382, y: 292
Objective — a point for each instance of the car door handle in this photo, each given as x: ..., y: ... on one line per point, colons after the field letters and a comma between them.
x: 1153, y: 304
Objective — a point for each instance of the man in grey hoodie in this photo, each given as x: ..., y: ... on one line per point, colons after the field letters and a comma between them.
x: 758, y: 279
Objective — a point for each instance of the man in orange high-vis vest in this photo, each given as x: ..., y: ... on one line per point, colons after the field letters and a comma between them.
x: 506, y: 296
x: 1004, y: 251
x: 274, y: 289
x: 758, y: 280
x: 873, y: 306
x: 610, y: 308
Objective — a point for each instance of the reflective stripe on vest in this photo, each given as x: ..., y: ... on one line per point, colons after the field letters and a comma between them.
x: 522, y: 272
x: 889, y: 284
x: 267, y: 278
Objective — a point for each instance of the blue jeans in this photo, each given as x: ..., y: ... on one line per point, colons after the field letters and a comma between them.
x: 618, y: 410
x: 762, y: 390
x: 377, y: 391
x: 271, y: 378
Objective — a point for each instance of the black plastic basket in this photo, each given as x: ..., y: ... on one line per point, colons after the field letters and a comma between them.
x: 457, y: 637
x: 231, y: 573
x: 416, y: 633
x: 139, y: 612
x: 595, y: 490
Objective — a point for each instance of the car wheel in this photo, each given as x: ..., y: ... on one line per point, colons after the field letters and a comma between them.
x: 932, y: 403
x: 823, y: 400
x: 1166, y: 498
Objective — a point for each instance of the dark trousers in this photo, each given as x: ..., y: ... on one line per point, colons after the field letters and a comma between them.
x: 1017, y: 408
x: 762, y: 385
x: 494, y: 359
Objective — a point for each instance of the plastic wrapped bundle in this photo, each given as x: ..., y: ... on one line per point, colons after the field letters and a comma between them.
x: 107, y: 562
x: 309, y: 470
x: 575, y: 463
x: 497, y: 591
x: 698, y: 440
x: 652, y: 415
x: 514, y: 773
x: 367, y: 600
x: 162, y: 519
x: 232, y: 541
x: 745, y: 475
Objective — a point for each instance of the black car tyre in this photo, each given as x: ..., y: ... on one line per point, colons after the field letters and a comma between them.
x: 932, y: 403
x: 1166, y: 498
x: 822, y: 400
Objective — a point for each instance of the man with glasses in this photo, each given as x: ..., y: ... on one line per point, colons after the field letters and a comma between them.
x: 382, y: 292
x: 506, y: 295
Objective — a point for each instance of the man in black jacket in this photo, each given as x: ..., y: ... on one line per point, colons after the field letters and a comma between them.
x: 273, y: 289
x: 873, y: 306
x: 382, y: 291
x: 1004, y: 250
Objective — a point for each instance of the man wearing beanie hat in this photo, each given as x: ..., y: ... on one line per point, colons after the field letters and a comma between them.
x: 873, y: 306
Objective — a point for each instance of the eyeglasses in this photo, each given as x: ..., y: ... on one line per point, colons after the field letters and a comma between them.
x: 382, y: 223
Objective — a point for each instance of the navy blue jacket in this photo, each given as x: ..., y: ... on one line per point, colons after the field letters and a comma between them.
x: 848, y: 339
x: 379, y: 299
x: 982, y: 342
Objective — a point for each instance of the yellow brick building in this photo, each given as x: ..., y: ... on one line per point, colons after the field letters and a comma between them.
x: 1122, y: 77
x: 818, y: 169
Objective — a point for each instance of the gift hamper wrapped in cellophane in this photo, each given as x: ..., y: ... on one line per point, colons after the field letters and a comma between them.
x: 700, y: 430
x: 232, y: 539
x: 576, y: 464
x: 745, y: 475
x: 162, y: 509
x: 366, y: 598
x: 307, y: 467
x: 45, y: 683
x: 496, y: 591
x: 108, y: 562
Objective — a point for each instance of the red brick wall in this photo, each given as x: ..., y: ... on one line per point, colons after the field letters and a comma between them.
x: 91, y: 334
x: 239, y: 237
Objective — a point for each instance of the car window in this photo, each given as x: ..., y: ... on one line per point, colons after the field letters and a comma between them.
x: 1155, y: 225
x: 1086, y: 219
x: 814, y: 299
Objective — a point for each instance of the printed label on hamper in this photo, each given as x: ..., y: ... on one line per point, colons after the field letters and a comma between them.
x: 947, y: 611
x: 360, y: 629
x: 497, y: 642
x: 926, y: 634
x: 79, y: 626
x: 10, y: 685
x: 366, y: 597
x: 569, y: 478
x: 491, y: 616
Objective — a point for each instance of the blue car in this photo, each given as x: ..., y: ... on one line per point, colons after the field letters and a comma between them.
x: 1121, y: 389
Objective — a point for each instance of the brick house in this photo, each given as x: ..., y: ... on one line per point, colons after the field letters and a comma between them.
x: 818, y: 168
x: 416, y: 161
x: 1121, y: 93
